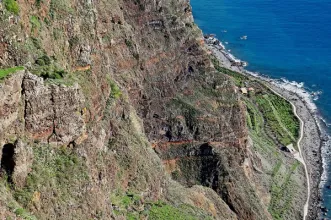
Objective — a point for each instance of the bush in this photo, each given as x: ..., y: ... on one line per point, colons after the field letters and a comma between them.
x: 35, y: 23
x: 38, y: 3
x: 56, y: 74
x: 12, y: 6
x: 128, y: 43
x: 46, y: 69
x: 115, y: 90
x: 44, y: 60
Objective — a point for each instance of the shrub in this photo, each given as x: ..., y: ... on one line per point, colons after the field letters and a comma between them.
x: 56, y: 74
x: 35, y: 23
x: 115, y: 90
x: 38, y: 2
x: 12, y: 6
x: 46, y: 69
x: 36, y: 42
x: 44, y: 60
x: 128, y: 43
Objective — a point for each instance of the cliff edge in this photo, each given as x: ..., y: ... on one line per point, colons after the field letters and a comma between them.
x: 113, y: 109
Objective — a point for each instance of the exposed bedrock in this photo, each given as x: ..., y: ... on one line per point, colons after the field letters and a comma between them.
x: 215, y: 167
x: 118, y: 110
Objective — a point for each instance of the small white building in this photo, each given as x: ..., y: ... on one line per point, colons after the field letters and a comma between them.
x: 244, y: 90
x: 291, y: 148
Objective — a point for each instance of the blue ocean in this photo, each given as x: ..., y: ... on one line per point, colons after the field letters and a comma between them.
x: 285, y: 39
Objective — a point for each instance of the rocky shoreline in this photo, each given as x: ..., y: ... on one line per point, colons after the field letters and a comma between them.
x: 312, y: 140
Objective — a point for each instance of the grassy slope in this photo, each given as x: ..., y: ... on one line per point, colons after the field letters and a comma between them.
x: 7, y: 72
x: 271, y: 123
x: 280, y: 121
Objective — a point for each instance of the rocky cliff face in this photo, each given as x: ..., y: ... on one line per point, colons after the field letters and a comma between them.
x: 119, y: 113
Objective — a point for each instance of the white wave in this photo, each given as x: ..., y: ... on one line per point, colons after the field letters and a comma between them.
x: 325, y: 151
x: 308, y: 98
x: 325, y: 122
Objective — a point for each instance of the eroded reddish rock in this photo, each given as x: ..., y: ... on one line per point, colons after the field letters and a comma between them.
x: 53, y: 113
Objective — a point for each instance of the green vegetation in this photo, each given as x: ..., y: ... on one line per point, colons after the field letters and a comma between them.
x: 12, y: 6
x: 115, y: 94
x: 279, y: 117
x: 189, y: 112
x: 54, y: 171
x: 43, y: 60
x: 38, y: 3
x: 276, y: 169
x: 52, y: 73
x: 163, y: 211
x: 283, y: 182
x: 60, y: 9
x: 282, y: 193
x: 254, y: 118
x: 57, y: 34
x: 127, y: 204
x: 272, y: 123
x: 19, y: 211
x: 73, y: 42
x: 7, y: 72
x: 115, y: 90
x: 238, y: 78
x: 124, y: 201
x: 286, y: 115
x: 35, y: 23
x: 46, y: 68
x: 32, y: 46
x: 129, y: 43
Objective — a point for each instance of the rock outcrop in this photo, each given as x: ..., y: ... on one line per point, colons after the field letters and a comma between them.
x: 120, y: 113
x: 53, y: 113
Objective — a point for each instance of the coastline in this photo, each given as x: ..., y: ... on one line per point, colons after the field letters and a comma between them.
x: 311, y: 139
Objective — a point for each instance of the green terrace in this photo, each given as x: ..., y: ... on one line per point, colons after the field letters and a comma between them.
x: 278, y: 119
x: 272, y: 125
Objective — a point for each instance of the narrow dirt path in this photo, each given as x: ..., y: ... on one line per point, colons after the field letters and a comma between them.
x: 299, y: 156
x: 305, y: 212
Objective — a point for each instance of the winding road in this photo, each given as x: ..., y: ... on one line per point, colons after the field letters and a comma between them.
x: 301, y: 159
x: 299, y: 156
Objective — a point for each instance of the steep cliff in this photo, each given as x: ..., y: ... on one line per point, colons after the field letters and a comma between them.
x: 119, y: 113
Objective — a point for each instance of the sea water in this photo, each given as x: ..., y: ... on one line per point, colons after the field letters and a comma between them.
x: 285, y: 39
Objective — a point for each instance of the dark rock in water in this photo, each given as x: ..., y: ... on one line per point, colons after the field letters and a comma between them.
x: 325, y: 138
x: 324, y: 209
x: 146, y: 102
x: 329, y: 187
